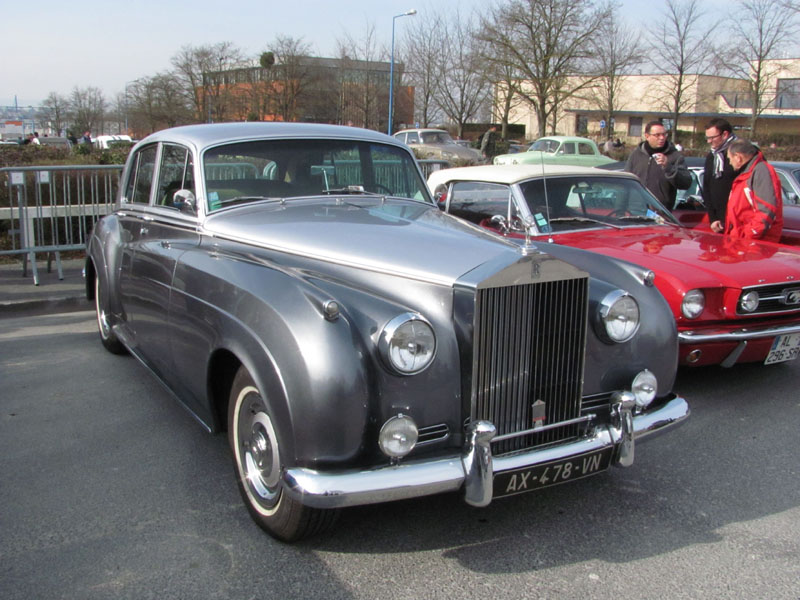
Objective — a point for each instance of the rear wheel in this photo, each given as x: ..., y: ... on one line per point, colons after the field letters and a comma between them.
x: 257, y: 457
x: 107, y: 337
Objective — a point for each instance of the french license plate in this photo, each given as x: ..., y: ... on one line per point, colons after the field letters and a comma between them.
x: 528, y: 479
x: 785, y: 347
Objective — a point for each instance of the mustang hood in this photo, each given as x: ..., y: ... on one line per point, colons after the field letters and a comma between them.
x: 694, y: 258
x: 391, y: 235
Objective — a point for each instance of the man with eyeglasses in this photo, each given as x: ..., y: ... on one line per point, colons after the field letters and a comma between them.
x: 718, y: 174
x: 659, y: 165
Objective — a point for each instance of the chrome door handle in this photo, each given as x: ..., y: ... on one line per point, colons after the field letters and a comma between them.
x: 165, y: 244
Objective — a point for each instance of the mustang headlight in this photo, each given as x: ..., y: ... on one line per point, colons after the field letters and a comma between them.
x: 644, y: 388
x: 618, y: 317
x: 693, y: 304
x: 749, y: 301
x: 407, y: 344
x: 398, y: 436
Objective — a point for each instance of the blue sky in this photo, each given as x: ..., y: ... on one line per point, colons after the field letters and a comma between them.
x: 55, y: 45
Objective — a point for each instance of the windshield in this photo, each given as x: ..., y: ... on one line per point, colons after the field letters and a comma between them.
x: 251, y: 171
x: 575, y: 203
x: 436, y: 137
x: 544, y: 145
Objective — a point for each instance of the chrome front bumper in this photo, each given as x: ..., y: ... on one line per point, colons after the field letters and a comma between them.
x: 473, y: 470
x: 737, y: 335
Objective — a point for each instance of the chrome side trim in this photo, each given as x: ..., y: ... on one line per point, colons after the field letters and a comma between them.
x: 696, y: 337
x: 449, y: 474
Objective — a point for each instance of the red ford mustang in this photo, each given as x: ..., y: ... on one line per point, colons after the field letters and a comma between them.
x: 734, y: 301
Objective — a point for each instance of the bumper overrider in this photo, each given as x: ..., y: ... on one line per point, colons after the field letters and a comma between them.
x: 473, y: 471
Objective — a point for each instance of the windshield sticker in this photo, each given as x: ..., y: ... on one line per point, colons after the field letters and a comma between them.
x: 541, y: 223
x: 213, y: 201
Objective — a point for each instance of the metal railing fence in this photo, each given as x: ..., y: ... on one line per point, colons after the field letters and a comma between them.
x: 51, y: 209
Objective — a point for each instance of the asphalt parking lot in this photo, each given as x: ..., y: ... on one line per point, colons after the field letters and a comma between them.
x: 109, y: 489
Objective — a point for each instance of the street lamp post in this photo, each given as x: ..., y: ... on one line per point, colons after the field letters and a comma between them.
x: 410, y: 13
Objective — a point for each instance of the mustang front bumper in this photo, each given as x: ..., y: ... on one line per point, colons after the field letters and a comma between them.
x: 473, y: 471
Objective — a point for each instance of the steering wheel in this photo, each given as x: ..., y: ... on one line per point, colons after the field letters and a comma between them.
x: 620, y: 212
x: 383, y: 188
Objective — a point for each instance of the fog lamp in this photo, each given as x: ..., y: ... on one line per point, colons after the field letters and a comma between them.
x: 398, y: 436
x: 749, y: 301
x: 644, y: 388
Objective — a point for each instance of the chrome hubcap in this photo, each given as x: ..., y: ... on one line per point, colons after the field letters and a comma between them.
x: 261, y: 458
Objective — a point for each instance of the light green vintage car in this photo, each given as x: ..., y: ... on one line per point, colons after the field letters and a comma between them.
x: 557, y: 150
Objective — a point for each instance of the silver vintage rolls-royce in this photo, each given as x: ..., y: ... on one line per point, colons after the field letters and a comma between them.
x: 296, y: 285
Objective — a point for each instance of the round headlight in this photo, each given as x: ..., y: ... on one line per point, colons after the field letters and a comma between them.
x: 398, y: 436
x: 749, y: 301
x: 644, y: 388
x: 619, y: 316
x: 693, y: 304
x: 407, y: 344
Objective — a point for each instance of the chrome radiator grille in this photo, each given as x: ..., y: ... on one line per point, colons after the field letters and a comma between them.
x: 528, y: 347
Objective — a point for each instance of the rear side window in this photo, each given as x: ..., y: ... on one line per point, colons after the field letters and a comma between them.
x: 140, y: 180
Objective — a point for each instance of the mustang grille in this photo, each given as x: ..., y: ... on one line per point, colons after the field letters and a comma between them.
x: 529, y: 349
x: 773, y: 298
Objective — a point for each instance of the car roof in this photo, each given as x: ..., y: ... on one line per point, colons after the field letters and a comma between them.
x: 422, y: 130
x: 563, y: 138
x: 510, y: 174
x: 205, y: 135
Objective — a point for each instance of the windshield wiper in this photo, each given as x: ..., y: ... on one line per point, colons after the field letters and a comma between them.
x: 583, y: 220
x: 637, y: 218
x: 351, y: 189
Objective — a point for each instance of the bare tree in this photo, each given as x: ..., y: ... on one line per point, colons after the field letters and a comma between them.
x: 292, y: 76
x: 421, y: 51
x: 547, y: 42
x: 367, y: 95
x: 618, y: 50
x: 87, y: 108
x: 462, y: 87
x: 679, y: 53
x: 760, y: 31
x: 204, y: 74
x: 53, y: 112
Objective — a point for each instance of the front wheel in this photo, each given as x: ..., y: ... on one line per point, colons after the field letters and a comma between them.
x: 257, y: 457
x: 107, y: 337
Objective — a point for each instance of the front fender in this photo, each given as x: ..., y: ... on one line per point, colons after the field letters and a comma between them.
x: 314, y: 373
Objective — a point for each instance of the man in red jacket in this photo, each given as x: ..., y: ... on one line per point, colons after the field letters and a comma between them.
x: 755, y: 206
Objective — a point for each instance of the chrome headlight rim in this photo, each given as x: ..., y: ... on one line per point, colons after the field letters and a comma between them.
x: 389, y: 337
x: 748, y: 301
x: 608, y: 307
x: 693, y: 303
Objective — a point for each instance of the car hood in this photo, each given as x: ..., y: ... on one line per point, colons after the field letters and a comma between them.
x: 691, y: 258
x: 404, y: 237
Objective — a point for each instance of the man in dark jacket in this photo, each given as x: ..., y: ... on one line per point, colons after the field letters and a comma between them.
x: 718, y: 174
x: 659, y: 165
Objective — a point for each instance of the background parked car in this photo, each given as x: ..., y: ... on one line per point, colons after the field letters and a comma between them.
x: 733, y: 300
x: 437, y: 143
x: 559, y: 150
x: 296, y: 285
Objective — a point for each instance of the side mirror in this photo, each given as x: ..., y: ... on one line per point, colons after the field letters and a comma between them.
x: 791, y: 198
x: 185, y: 201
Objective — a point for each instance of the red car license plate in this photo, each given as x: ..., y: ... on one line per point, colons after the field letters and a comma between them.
x: 785, y: 347
x: 528, y: 479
